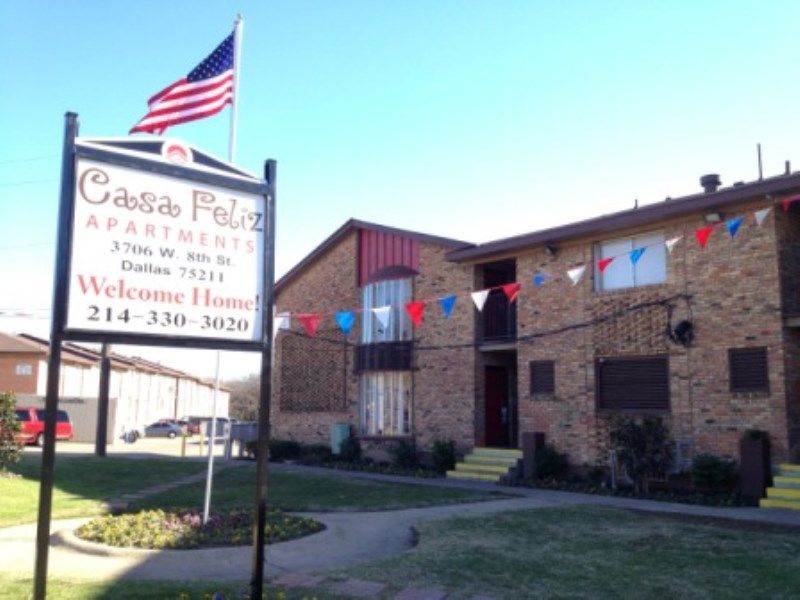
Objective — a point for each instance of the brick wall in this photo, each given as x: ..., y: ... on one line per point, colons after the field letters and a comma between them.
x: 10, y: 380
x: 442, y: 380
x: 735, y: 302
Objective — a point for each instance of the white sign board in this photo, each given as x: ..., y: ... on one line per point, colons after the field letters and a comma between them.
x: 158, y: 255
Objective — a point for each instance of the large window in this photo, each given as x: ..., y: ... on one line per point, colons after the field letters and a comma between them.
x: 395, y: 293
x: 621, y: 273
x: 633, y: 383
x: 385, y: 400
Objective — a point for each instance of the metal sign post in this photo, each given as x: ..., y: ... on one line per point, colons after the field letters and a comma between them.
x: 159, y: 244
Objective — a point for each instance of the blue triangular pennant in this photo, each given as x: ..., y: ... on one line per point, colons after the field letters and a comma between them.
x: 636, y: 254
x: 447, y: 303
x: 733, y: 226
x: 539, y: 279
x: 345, y: 319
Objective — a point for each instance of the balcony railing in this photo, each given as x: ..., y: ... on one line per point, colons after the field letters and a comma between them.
x: 499, y: 318
x: 384, y: 356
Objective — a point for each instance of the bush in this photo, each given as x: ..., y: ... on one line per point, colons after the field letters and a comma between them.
x: 549, y: 463
x: 443, y: 455
x: 10, y: 448
x: 350, y: 450
x: 404, y: 455
x: 317, y: 453
x: 284, y: 450
x: 714, y: 473
x: 643, y: 448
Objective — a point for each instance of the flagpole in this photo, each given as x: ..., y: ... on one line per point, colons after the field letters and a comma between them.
x: 237, y: 61
x: 237, y: 45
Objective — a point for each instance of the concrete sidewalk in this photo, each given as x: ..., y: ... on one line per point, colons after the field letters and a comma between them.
x: 349, y: 538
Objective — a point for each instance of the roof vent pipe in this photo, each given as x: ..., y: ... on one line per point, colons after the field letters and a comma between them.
x: 710, y: 182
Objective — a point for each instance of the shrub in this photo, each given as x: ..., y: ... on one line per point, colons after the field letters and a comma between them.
x: 10, y: 448
x: 643, y: 448
x: 350, y: 450
x: 284, y: 450
x: 549, y: 463
x: 404, y: 455
x: 443, y: 455
x: 712, y: 472
x: 317, y: 453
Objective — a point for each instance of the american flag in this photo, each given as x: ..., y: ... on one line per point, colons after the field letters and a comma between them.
x: 202, y: 93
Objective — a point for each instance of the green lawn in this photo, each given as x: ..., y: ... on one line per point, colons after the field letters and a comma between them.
x: 301, y: 492
x: 593, y: 552
x: 82, y: 484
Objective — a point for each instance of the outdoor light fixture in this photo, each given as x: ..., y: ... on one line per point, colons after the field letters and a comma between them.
x: 714, y: 217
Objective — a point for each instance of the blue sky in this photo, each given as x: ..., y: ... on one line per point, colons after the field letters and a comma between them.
x: 472, y: 120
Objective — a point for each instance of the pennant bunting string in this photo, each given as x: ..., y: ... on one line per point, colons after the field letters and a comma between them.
x: 603, y: 263
x: 733, y: 226
x: 310, y: 323
x: 636, y: 254
x: 479, y: 298
x: 447, y: 303
x: 416, y: 311
x: 511, y: 290
x: 345, y: 320
x: 703, y: 234
x: 576, y: 274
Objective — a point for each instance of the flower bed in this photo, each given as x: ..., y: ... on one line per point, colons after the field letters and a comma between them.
x: 181, y: 530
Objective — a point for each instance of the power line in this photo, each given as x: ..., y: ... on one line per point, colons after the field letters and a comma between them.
x: 27, y: 159
x: 30, y: 182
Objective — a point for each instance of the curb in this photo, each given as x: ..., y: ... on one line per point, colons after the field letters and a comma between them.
x: 67, y: 537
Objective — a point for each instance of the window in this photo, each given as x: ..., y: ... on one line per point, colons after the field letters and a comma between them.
x: 23, y: 415
x: 542, y: 377
x: 621, y: 273
x: 640, y: 383
x: 24, y: 369
x: 395, y: 293
x: 748, y: 369
x: 385, y: 401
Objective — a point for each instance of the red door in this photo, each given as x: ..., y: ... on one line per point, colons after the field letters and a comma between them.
x: 496, y: 395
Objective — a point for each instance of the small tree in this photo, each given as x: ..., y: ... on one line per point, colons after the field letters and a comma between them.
x: 10, y: 448
x: 643, y: 448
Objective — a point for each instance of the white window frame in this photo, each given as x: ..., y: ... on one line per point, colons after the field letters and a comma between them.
x: 621, y: 273
x: 391, y: 292
x: 385, y: 403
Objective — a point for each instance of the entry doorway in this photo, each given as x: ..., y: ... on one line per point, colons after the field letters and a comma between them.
x: 499, y: 409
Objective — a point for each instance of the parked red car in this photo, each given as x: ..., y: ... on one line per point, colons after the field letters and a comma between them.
x: 32, y: 422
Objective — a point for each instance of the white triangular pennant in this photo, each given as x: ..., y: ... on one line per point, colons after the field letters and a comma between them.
x: 479, y: 298
x: 670, y: 243
x: 576, y: 274
x: 280, y: 321
x: 761, y: 215
x: 383, y: 313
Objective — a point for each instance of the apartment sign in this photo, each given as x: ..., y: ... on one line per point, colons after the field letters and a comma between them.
x: 157, y: 254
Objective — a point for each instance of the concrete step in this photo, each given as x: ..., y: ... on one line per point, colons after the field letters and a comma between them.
x: 511, y: 453
x: 779, y: 503
x: 789, y: 469
x: 783, y: 493
x: 474, y: 476
x: 478, y: 468
x: 490, y: 460
x: 782, y: 481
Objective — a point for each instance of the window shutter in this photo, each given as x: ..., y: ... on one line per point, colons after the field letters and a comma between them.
x: 749, y: 371
x: 640, y: 383
x: 542, y: 377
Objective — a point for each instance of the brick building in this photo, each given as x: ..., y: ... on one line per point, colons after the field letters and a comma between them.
x: 707, y: 337
x: 140, y: 391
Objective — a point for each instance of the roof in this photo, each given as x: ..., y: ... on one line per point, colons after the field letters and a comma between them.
x: 13, y: 343
x: 354, y: 225
x: 651, y: 213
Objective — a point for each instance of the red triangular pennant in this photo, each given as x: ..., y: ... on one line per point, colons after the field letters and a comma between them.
x: 787, y: 202
x: 511, y: 290
x: 703, y: 234
x: 603, y: 263
x: 309, y: 322
x: 416, y: 310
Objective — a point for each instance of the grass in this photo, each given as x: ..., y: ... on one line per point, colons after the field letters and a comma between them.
x: 82, y: 484
x: 14, y: 589
x: 591, y: 552
x: 310, y: 493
